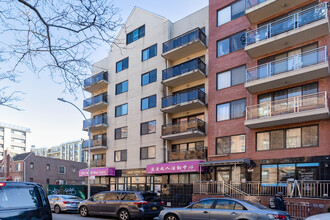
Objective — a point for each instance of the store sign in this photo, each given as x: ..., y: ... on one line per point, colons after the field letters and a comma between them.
x: 102, y: 171
x: 179, y: 167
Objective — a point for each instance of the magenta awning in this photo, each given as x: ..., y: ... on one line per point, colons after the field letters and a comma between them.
x: 99, y: 171
x: 179, y: 167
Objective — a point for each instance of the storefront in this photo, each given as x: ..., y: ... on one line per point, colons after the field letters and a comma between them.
x: 99, y: 176
x: 132, y: 179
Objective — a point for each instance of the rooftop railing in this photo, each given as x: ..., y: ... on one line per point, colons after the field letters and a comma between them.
x: 191, y: 125
x: 179, y: 98
x: 95, y: 79
x: 96, y: 99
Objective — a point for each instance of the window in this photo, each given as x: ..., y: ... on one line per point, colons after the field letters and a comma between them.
x: 10, y: 168
x: 122, y: 65
x: 112, y: 196
x: 149, y: 52
x: 121, y: 87
x: 149, y: 77
x: 61, y: 170
x: 18, y: 166
x: 47, y: 181
x: 231, y: 12
x: 232, y: 144
x: 31, y: 165
x: 48, y: 167
x: 288, y: 138
x: 128, y: 196
x: 31, y: 180
x: 205, y: 204
x: 148, y: 102
x: 73, y: 169
x: 120, y: 155
x: 231, y: 110
x: 121, y: 110
x: 230, y: 78
x: 148, y: 127
x: 99, y: 197
x: 135, y: 35
x: 147, y: 152
x: 231, y: 44
x: 120, y: 133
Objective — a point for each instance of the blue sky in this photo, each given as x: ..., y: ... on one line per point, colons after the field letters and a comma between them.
x: 53, y: 122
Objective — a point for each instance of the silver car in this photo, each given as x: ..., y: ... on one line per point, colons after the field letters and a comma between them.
x: 64, y: 203
x: 223, y: 208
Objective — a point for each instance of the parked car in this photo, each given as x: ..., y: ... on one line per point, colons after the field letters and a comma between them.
x: 223, y: 208
x: 324, y: 216
x: 122, y: 204
x: 21, y: 200
x: 64, y: 203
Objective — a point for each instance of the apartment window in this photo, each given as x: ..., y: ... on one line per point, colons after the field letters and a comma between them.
x: 231, y: 77
x: 148, y: 127
x: 231, y: 44
x: 122, y: 65
x: 191, y: 146
x: 231, y: 110
x: 120, y: 133
x: 10, y: 168
x: 231, y: 12
x: 120, y: 155
x: 148, y: 102
x: 232, y: 144
x: 135, y: 35
x: 47, y: 181
x: 149, y: 77
x: 18, y: 166
x: 121, y: 87
x: 147, y: 153
x: 74, y: 169
x: 31, y: 179
x: 149, y: 52
x: 121, y: 110
x: 288, y: 138
x: 31, y: 165
x: 61, y: 169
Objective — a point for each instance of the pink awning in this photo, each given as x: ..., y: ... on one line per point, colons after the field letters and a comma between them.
x: 99, y: 171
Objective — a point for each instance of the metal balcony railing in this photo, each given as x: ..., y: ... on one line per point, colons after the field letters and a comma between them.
x: 251, y: 3
x: 288, y: 106
x: 96, y: 99
x: 95, y: 143
x: 97, y: 120
x: 308, y: 58
x: 95, y: 79
x: 185, y: 67
x: 187, y: 155
x: 184, y: 39
x: 191, y: 125
x: 195, y: 94
x: 98, y: 163
x: 286, y: 24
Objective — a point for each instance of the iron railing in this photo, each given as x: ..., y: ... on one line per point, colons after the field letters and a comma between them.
x: 308, y: 58
x: 187, y: 155
x: 96, y: 99
x: 286, y: 24
x: 182, y: 97
x: 191, y: 125
x: 184, y: 39
x: 288, y: 106
x: 95, y: 79
x: 195, y: 64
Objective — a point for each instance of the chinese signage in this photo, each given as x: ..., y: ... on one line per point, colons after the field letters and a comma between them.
x: 102, y: 171
x: 179, y: 167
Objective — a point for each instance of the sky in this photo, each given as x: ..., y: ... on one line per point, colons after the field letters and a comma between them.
x: 53, y: 122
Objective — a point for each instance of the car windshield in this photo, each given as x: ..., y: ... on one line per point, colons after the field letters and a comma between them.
x: 18, y: 197
x: 259, y: 206
x: 71, y: 197
x: 151, y: 197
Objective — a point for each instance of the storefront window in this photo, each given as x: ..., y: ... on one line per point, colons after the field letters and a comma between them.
x: 194, y: 177
x: 183, y: 178
x: 158, y: 179
x: 269, y: 173
x: 174, y: 178
x: 286, y: 171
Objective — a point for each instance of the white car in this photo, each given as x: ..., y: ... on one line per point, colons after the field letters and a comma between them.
x: 324, y: 216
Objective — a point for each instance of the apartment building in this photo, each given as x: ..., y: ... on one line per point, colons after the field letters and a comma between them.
x: 148, y: 105
x: 13, y: 139
x: 268, y: 92
x: 72, y: 150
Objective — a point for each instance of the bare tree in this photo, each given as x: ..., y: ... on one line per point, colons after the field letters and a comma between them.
x: 54, y: 35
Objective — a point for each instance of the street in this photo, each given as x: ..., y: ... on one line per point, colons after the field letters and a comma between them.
x: 75, y: 216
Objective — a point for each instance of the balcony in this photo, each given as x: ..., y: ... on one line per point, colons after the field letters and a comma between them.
x: 258, y: 10
x: 97, y: 82
x: 97, y: 145
x: 184, y: 45
x: 287, y: 111
x: 96, y: 103
x: 95, y: 124
x: 289, y: 31
x: 186, y: 72
x: 98, y: 163
x: 302, y: 67
x: 187, y: 155
x: 184, y: 101
x: 189, y: 129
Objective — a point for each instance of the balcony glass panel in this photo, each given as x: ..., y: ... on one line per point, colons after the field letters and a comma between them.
x: 181, y: 127
x: 95, y: 79
x: 196, y: 94
x: 95, y: 143
x: 251, y: 3
x: 96, y: 99
x: 97, y: 120
x: 184, y: 68
x: 288, y: 23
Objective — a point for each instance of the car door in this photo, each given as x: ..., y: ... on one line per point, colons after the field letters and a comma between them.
x: 52, y: 201
x: 95, y: 203
x: 225, y: 209
x: 111, y: 203
x: 199, y: 210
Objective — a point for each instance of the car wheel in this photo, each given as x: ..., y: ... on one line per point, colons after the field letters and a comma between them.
x: 171, y: 217
x: 123, y: 214
x: 83, y: 211
x: 57, y: 209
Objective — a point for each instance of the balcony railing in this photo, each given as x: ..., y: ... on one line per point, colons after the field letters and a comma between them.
x: 287, y: 64
x: 187, y: 155
x: 286, y: 24
x: 251, y: 3
x: 95, y: 100
x: 98, y: 163
x: 191, y: 125
x: 95, y: 79
x: 184, y: 39
x: 95, y: 143
x: 288, y: 106
x: 101, y: 120
x: 195, y: 94
x: 195, y: 64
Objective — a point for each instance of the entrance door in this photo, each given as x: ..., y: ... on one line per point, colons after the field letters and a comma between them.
x: 224, y: 174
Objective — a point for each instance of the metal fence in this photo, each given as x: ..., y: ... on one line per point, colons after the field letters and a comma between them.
x: 298, y: 210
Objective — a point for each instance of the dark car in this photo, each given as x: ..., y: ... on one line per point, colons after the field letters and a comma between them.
x: 23, y: 201
x: 123, y: 204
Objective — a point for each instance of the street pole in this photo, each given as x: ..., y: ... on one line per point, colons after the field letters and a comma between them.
x: 89, y: 148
